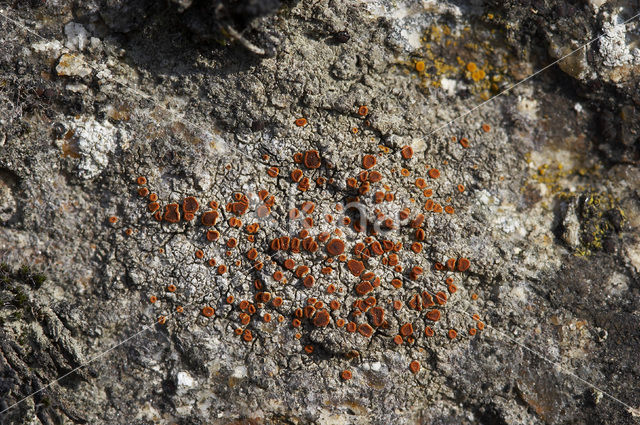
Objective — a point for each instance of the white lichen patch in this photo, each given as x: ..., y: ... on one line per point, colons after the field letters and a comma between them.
x: 77, y: 87
x: 596, y: 4
x: 93, y: 143
x: 240, y: 372
x: 485, y: 198
x: 633, y: 255
x: 409, y: 19
x: 528, y: 108
x: 451, y: 86
x: 72, y: 65
x: 617, y: 284
x: 614, y: 47
x: 519, y: 294
x: 77, y: 36
x: 8, y: 205
x: 52, y: 48
x: 506, y: 220
x: 419, y: 146
x: 184, y: 382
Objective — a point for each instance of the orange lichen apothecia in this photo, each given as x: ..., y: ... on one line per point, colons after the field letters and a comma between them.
x: 340, y: 259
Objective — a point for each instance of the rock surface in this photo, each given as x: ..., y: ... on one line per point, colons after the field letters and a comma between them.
x: 156, y: 307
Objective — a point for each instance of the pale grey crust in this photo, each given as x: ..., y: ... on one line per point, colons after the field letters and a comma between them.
x: 546, y: 272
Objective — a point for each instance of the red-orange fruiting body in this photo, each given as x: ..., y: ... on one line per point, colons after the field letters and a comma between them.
x: 365, y: 330
x: 433, y: 315
x: 406, y: 329
x: 190, y: 205
x: 368, y: 161
x: 247, y: 336
x: 451, y: 264
x: 463, y: 264
x: 172, y: 213
x: 335, y: 247
x: 312, y: 159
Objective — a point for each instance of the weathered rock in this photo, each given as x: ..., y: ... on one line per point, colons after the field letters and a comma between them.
x: 537, y: 189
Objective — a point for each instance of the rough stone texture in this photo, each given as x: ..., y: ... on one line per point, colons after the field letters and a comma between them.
x: 201, y: 98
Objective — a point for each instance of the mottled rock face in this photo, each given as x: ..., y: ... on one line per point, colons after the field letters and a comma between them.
x: 8, y: 203
x: 310, y: 227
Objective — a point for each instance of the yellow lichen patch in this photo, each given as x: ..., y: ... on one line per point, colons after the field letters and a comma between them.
x: 479, y: 55
x: 478, y: 75
x: 558, y: 178
x: 599, y: 216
